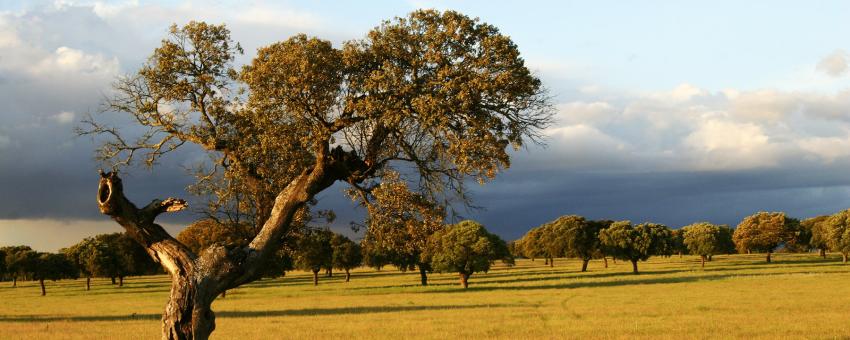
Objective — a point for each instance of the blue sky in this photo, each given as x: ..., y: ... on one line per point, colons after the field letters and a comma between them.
x: 669, y: 111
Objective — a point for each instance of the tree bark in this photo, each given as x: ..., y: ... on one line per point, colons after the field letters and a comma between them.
x: 43, y: 291
x: 464, y: 280
x: 710, y: 257
x: 347, y: 275
x: 634, y: 267
x: 584, y: 265
x: 315, y: 277
x: 88, y: 283
x: 551, y: 262
x: 702, y: 259
x: 768, y: 257
x: 197, y: 281
x: 120, y: 281
x: 844, y: 257
x: 605, y: 261
x: 423, y: 274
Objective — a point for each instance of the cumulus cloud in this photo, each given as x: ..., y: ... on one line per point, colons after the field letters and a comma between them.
x: 834, y: 64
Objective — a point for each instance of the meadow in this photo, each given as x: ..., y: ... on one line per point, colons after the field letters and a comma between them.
x: 735, y: 296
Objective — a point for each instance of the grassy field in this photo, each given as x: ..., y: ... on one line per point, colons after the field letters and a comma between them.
x: 740, y: 296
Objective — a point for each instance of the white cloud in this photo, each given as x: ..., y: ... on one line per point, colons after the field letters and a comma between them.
x: 724, y: 145
x: 66, y: 59
x: 63, y: 117
x: 834, y: 64
x: 828, y: 149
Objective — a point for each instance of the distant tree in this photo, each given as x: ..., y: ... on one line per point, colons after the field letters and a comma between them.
x: 839, y: 233
x: 702, y: 239
x: 347, y: 254
x: 84, y: 256
x: 532, y: 244
x: 49, y: 266
x: 819, y: 232
x: 764, y: 231
x: 2, y: 264
x: 553, y: 239
x: 677, y: 238
x: 725, y: 243
x: 581, y: 238
x: 373, y: 256
x: 466, y: 248
x: 400, y: 222
x: 314, y: 252
x: 204, y: 233
x: 126, y: 257
x: 19, y: 260
x: 634, y: 243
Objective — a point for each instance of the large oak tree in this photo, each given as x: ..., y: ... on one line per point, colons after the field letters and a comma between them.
x: 439, y: 94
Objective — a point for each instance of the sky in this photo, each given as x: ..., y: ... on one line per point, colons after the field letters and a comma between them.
x: 667, y: 111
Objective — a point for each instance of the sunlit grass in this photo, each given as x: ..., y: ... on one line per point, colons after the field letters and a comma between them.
x: 797, y: 296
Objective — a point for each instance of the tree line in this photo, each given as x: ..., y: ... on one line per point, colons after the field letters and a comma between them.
x: 763, y: 232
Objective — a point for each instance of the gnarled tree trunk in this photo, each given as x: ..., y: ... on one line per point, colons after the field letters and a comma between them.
x: 198, y: 279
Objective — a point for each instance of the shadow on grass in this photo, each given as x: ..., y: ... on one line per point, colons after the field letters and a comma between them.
x: 255, y: 314
x: 634, y: 280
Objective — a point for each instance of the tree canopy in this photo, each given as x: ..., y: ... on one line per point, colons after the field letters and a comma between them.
x: 764, y: 231
x: 702, y: 239
x: 838, y: 226
x: 635, y: 243
x: 466, y: 248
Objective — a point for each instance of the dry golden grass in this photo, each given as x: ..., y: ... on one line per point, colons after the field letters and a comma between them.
x: 797, y: 296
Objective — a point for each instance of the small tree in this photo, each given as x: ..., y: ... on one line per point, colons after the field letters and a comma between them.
x: 399, y: 224
x: 634, y: 243
x: 347, y: 254
x: 18, y: 261
x: 839, y: 233
x: 819, y: 231
x: 373, y: 256
x: 725, y: 243
x: 532, y: 244
x: 2, y: 264
x: 702, y: 239
x: 764, y: 231
x: 466, y: 248
x: 48, y: 266
x: 315, y: 252
x: 677, y: 238
x: 581, y: 237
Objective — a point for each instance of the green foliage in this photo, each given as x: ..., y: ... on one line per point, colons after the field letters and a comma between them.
x: 635, y: 243
x: 581, y: 236
x: 19, y: 260
x: 110, y: 255
x: 347, y: 254
x: 764, y: 231
x: 839, y: 232
x: 466, y: 248
x: 819, y: 231
x: 50, y: 266
x: 725, y: 243
x: 702, y: 239
x: 314, y: 250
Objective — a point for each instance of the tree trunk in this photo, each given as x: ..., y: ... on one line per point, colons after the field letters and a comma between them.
x: 768, y: 257
x: 634, y: 267
x: 423, y: 274
x: 614, y: 259
x: 329, y: 272
x: 14, y: 281
x: 464, y: 280
x: 584, y: 265
x: 188, y: 314
x: 120, y: 281
x: 844, y: 257
x: 710, y: 257
x: 315, y: 277
x: 605, y: 261
x: 546, y: 259
x: 88, y: 283
x: 702, y: 259
x: 224, y: 294
x: 551, y: 262
x: 347, y: 275
x: 681, y: 254
x: 43, y: 291
x: 113, y: 280
x: 823, y: 253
